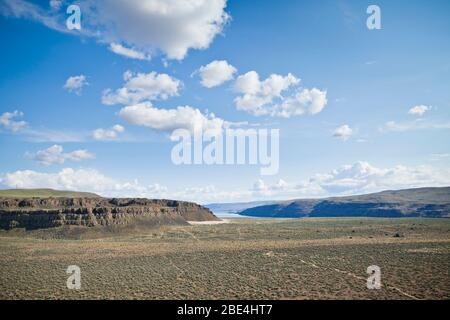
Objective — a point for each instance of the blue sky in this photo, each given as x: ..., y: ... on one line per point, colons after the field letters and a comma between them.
x: 372, y: 80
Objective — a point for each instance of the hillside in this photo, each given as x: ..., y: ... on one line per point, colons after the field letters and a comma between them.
x: 420, y: 202
x: 49, y: 212
x: 44, y: 193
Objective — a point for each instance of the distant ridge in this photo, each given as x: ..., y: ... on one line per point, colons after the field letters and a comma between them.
x: 45, y: 193
x: 419, y: 202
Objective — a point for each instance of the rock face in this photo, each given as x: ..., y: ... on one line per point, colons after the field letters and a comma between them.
x: 37, y: 213
x: 421, y: 202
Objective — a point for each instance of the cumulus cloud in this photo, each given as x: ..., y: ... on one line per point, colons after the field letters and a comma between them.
x: 310, y: 101
x: 358, y: 178
x: 267, y: 97
x: 89, y: 180
x: 7, y: 121
x: 419, y: 110
x: 249, y: 83
x: 172, y: 27
x: 55, y: 155
x: 216, y: 73
x: 182, y: 117
x: 108, y: 134
x: 142, y: 86
x: 128, y: 52
x: 283, y: 190
x: 75, y: 84
x: 343, y: 132
x: 362, y: 177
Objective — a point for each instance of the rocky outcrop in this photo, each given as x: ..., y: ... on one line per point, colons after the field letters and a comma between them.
x: 37, y: 213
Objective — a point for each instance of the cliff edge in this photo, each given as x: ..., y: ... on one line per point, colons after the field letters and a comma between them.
x: 48, y: 212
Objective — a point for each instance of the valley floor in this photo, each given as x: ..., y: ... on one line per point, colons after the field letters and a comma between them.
x: 242, y: 259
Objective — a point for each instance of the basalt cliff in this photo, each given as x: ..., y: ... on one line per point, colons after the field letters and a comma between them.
x: 38, y: 213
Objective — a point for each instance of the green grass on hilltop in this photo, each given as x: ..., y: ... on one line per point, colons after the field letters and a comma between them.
x: 43, y: 193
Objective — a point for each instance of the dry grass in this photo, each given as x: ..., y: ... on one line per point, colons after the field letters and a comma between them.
x: 245, y: 259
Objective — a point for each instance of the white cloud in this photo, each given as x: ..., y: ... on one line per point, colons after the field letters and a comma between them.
x: 79, y: 155
x: 54, y: 135
x: 310, y: 101
x: 55, y: 155
x: 118, y: 128
x: 282, y: 190
x: 142, y: 86
x: 439, y: 156
x: 248, y: 83
x: 266, y: 97
x: 55, y: 4
x: 91, y: 180
x: 260, y: 187
x: 128, y: 52
x: 257, y: 95
x: 182, y: 117
x: 343, y: 132
x: 419, y: 110
x: 394, y: 126
x: 357, y: 178
x: 418, y: 124
x: 108, y: 134
x: 28, y: 10
x: 76, y: 84
x: 88, y: 180
x: 216, y: 73
x: 362, y: 177
x: 38, y: 135
x: 7, y: 121
x: 170, y: 26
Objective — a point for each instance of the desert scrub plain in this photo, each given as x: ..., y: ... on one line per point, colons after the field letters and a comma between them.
x: 244, y: 259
